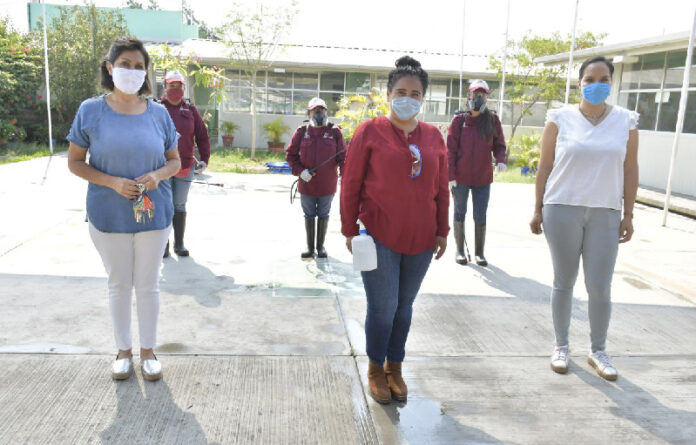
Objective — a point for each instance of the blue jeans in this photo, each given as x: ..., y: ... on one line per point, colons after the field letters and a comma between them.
x: 180, y: 190
x: 313, y: 206
x: 461, y: 198
x: 390, y: 290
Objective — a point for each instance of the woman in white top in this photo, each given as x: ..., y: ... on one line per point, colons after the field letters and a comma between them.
x: 588, y: 165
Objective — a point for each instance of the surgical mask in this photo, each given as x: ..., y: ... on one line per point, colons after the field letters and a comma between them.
x: 175, y: 94
x: 596, y: 93
x: 477, y: 104
x: 405, y: 107
x: 128, y: 81
x: 319, y: 119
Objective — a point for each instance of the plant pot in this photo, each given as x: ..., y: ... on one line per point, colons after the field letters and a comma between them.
x: 276, y: 147
x: 227, y: 141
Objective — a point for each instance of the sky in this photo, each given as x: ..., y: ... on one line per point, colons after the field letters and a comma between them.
x: 436, y: 25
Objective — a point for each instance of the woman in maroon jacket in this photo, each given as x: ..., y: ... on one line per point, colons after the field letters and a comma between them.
x: 395, y: 182
x: 471, y: 138
x: 190, y: 126
x: 317, y: 146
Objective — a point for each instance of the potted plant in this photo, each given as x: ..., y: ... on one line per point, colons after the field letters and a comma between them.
x: 228, y: 128
x: 274, y: 131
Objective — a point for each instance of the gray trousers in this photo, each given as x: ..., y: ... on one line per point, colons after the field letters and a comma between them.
x: 593, y: 233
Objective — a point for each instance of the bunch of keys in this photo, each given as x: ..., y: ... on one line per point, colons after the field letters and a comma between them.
x: 143, y: 207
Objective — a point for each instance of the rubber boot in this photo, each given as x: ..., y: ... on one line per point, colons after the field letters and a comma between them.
x: 377, y: 380
x: 166, y: 251
x: 459, y: 241
x: 322, y: 225
x: 397, y: 386
x: 179, y: 224
x: 309, y: 229
x: 480, y: 240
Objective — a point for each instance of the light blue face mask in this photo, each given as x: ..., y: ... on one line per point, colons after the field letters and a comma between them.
x: 596, y: 93
x: 405, y: 107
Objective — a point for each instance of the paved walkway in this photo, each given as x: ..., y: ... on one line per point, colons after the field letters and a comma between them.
x: 260, y: 347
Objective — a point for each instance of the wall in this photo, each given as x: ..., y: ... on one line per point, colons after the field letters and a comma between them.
x: 654, y: 154
x: 145, y: 24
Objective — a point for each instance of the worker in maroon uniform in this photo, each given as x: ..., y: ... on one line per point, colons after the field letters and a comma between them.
x: 471, y: 139
x: 190, y: 126
x: 395, y: 183
x: 314, y: 153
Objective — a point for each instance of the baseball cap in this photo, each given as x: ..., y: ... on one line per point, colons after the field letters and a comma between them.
x: 316, y: 102
x: 479, y: 84
x: 174, y: 76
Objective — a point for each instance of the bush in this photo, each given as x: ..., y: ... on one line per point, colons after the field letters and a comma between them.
x: 9, y: 132
x: 525, y: 151
x: 355, y: 109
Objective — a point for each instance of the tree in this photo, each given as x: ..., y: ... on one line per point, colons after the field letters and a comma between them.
x: 20, y: 81
x: 532, y: 82
x: 78, y: 39
x: 253, y: 39
x: 204, y: 31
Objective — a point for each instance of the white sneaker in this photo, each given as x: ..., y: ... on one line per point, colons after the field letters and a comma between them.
x: 559, y: 359
x: 601, y: 362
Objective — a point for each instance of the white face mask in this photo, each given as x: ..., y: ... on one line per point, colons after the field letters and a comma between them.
x: 128, y: 81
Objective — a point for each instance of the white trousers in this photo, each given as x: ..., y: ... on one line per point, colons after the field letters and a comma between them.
x: 132, y: 260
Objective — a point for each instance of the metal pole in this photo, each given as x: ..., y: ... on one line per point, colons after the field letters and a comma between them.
x: 502, y: 84
x: 572, y: 48
x: 680, y: 119
x: 48, y: 83
x: 461, y: 55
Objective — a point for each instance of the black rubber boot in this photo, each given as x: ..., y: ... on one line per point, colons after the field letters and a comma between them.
x: 480, y: 240
x: 166, y: 251
x: 309, y: 229
x: 179, y: 224
x: 322, y: 225
x: 459, y: 241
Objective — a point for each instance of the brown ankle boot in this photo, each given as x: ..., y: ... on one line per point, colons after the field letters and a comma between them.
x: 396, y: 383
x: 379, y: 390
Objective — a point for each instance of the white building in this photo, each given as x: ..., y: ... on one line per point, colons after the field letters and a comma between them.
x: 302, y: 72
x: 648, y: 79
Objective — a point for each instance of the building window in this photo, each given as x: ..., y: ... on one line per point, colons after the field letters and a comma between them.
x: 652, y: 87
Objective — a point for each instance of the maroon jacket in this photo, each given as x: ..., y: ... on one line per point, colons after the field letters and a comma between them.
x: 403, y: 213
x: 189, y: 125
x: 469, y: 154
x: 309, y: 147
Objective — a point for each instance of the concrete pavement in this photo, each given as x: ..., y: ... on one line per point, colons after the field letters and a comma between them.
x: 260, y: 347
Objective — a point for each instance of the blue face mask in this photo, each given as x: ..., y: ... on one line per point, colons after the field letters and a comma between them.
x: 405, y: 107
x: 596, y: 93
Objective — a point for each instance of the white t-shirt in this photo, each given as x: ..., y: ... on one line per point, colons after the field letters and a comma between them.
x: 588, y: 168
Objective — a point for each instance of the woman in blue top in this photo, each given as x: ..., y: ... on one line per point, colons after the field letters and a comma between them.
x: 132, y: 144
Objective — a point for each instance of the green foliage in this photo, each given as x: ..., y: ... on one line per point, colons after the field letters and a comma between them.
x: 525, y: 150
x: 9, y: 131
x: 20, y: 82
x: 532, y: 82
x: 229, y: 160
x: 275, y: 130
x: 78, y: 38
x: 23, y: 151
x: 229, y: 128
x: 165, y: 58
x: 354, y: 109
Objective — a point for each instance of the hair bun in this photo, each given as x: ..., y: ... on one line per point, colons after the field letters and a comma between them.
x: 408, y: 61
